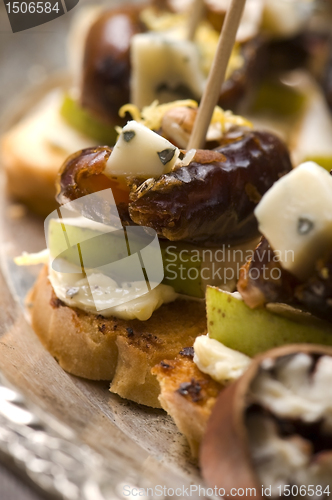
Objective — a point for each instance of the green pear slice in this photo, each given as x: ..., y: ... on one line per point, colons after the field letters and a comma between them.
x: 181, y: 270
x: 252, y: 331
x: 279, y: 98
x: 321, y: 160
x: 83, y: 121
x: 187, y: 268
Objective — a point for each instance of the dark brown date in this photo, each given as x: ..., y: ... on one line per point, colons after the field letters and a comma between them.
x: 258, y: 286
x: 327, y: 80
x: 316, y: 293
x: 82, y: 174
x: 213, y: 202
x: 243, y: 79
x: 257, y: 283
x: 106, y: 69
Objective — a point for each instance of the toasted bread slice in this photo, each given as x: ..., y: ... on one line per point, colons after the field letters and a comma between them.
x: 99, y: 348
x: 33, y: 151
x: 187, y: 394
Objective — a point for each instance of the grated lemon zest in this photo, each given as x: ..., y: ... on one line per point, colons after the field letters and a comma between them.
x: 151, y: 116
x: 132, y: 110
x: 227, y: 118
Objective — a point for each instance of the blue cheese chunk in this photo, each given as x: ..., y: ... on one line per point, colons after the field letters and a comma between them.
x: 162, y: 66
x: 223, y: 364
x: 295, y: 216
x: 141, y: 152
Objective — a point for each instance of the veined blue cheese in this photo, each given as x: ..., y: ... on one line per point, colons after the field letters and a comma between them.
x: 161, y: 65
x: 141, y: 152
x: 295, y: 216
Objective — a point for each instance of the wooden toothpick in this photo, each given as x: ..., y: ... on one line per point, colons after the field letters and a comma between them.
x: 217, y: 74
x: 195, y: 15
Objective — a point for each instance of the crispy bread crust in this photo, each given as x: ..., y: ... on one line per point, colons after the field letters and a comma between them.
x: 98, y: 348
x: 31, y: 171
x: 188, y: 395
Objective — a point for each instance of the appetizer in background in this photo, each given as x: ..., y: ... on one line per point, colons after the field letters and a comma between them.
x: 108, y: 71
x: 85, y: 113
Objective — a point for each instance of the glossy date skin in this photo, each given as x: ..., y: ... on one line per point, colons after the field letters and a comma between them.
x: 213, y: 202
x: 258, y: 284
x: 106, y: 68
x: 316, y: 293
x: 263, y: 280
x: 81, y: 175
x: 236, y: 88
x: 327, y: 80
x: 209, y: 201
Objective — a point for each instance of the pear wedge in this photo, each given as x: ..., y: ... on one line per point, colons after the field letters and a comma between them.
x: 252, y: 331
x: 83, y: 121
x: 182, y: 264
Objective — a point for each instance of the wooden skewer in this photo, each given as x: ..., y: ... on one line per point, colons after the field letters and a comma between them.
x: 196, y: 13
x: 217, y: 74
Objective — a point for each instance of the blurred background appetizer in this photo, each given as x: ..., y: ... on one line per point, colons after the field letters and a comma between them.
x: 278, y: 76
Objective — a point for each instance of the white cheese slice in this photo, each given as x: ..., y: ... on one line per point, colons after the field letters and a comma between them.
x: 220, y: 362
x: 141, y: 152
x: 161, y: 65
x: 75, y: 291
x: 32, y: 259
x: 312, y: 138
x: 295, y: 216
x: 286, y: 18
x: 250, y: 21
